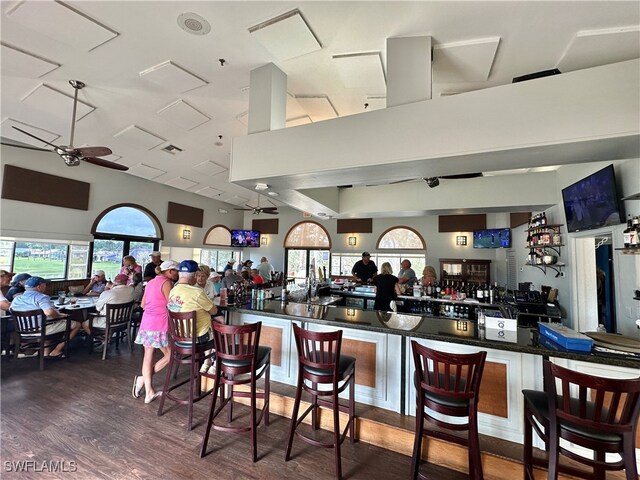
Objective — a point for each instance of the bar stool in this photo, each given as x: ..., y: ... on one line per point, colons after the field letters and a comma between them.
x: 320, y: 363
x: 449, y: 384
x: 185, y: 349
x: 240, y: 360
x: 603, y: 417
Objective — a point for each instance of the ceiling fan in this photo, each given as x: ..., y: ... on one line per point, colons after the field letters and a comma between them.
x: 72, y: 155
x: 258, y: 210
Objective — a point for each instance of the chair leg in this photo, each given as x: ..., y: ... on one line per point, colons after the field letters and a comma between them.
x: 41, y: 354
x: 212, y: 408
x: 253, y: 416
x: 554, y: 451
x: 336, y: 433
x: 598, y: 470
x: 475, y: 459
x: 629, y: 456
x: 352, y: 409
x: 230, y: 404
x: 267, y: 393
x: 527, y: 457
x: 193, y: 379
x: 314, y: 412
x: 167, y: 379
x: 105, y: 345
x: 294, y: 417
x: 417, y: 442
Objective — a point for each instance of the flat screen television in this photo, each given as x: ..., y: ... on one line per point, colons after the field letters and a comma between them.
x: 592, y: 202
x: 245, y: 238
x: 492, y: 238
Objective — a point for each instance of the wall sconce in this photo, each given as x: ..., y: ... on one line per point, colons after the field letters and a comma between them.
x: 186, y: 234
x: 264, y: 240
x: 351, y: 312
x: 461, y: 240
x: 352, y: 240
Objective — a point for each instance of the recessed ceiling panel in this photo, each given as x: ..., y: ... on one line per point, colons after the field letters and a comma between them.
x: 181, y: 183
x: 236, y: 200
x: 172, y: 77
x: 361, y: 70
x: 24, y: 64
x: 209, y: 192
x: 243, y: 118
x: 54, y: 102
x: 302, y: 120
x: 62, y: 22
x: 208, y: 168
x: 375, y: 102
x: 183, y: 115
x: 139, y: 137
x: 590, y: 48
x: 145, y: 171
x: 468, y: 61
x: 8, y: 132
x: 317, y: 107
x: 287, y: 36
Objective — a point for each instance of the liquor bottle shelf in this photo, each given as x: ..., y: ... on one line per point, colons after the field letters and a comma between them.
x: 630, y: 250
x: 556, y: 267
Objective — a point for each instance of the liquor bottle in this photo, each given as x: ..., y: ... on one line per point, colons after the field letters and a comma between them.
x: 627, y: 232
x: 429, y: 290
x: 528, y: 243
x: 486, y: 293
x: 480, y: 294
x: 447, y: 288
x: 543, y: 220
x: 438, y: 290
x: 634, y: 237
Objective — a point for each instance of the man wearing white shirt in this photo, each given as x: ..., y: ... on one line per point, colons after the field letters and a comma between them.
x: 265, y: 269
x: 120, y: 292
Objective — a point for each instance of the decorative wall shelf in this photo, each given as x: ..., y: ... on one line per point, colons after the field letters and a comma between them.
x: 630, y: 250
x: 556, y: 267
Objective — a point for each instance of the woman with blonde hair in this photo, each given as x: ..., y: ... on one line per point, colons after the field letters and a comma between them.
x: 429, y: 276
x: 387, y: 288
x: 130, y: 268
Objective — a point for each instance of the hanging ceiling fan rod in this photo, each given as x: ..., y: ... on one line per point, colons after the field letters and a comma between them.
x: 77, y: 85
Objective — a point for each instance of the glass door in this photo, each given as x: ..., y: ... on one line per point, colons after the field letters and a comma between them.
x: 107, y: 256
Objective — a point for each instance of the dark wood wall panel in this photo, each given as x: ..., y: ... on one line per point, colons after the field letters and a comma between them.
x: 355, y: 225
x: 37, y: 187
x: 266, y: 225
x: 519, y: 218
x: 184, y: 214
x: 462, y: 223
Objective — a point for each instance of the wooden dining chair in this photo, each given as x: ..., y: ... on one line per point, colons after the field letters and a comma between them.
x: 32, y: 336
x: 596, y: 413
x: 449, y: 384
x: 118, y: 325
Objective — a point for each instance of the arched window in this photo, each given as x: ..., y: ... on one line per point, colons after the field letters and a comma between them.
x: 401, y: 238
x: 307, y: 246
x: 218, y: 235
x: 123, y: 229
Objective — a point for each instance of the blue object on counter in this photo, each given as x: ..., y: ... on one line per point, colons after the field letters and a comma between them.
x: 565, y: 337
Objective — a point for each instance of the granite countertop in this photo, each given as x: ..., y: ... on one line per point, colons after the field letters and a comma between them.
x: 462, y: 331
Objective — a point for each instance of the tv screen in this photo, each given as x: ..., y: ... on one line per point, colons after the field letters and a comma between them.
x: 592, y: 202
x: 492, y: 238
x: 245, y: 238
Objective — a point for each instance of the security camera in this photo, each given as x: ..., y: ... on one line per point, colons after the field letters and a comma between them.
x: 432, y: 181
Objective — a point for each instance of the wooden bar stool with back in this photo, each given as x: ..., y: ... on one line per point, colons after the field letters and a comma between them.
x: 448, y: 384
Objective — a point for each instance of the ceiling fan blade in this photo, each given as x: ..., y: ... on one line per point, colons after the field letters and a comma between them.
x: 101, y: 162
x: 33, y: 136
x: 22, y: 145
x: 270, y: 212
x: 462, y: 175
x: 266, y: 209
x: 244, y: 209
x: 94, y: 151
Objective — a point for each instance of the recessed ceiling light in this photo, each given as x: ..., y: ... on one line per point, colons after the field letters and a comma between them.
x: 193, y: 23
x: 321, y: 214
x: 222, y: 210
x: 273, y: 194
x: 261, y: 186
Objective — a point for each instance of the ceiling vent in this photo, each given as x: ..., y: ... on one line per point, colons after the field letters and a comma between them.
x: 172, y: 149
x: 193, y: 23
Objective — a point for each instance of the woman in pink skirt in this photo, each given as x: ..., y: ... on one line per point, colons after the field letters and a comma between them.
x: 154, y: 328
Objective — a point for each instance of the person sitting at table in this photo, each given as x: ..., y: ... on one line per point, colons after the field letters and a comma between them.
x: 97, y: 284
x: 120, y: 292
x: 150, y: 268
x: 17, y: 286
x: 256, y: 278
x: 202, y: 280
x: 5, y: 280
x: 129, y: 267
x: 406, y: 276
x: 186, y: 296
x: 34, y: 298
x: 154, y: 328
x: 387, y: 288
x: 216, y: 281
x: 364, y: 270
x: 230, y: 278
x: 138, y: 287
x: 429, y: 276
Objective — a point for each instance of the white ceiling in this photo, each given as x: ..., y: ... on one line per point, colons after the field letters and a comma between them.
x: 150, y: 84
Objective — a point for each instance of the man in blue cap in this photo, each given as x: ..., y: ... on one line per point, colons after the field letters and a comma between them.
x: 34, y: 298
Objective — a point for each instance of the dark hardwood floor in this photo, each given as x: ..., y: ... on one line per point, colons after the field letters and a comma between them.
x: 80, y: 413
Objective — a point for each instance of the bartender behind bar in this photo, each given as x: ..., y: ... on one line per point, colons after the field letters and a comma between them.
x: 364, y: 270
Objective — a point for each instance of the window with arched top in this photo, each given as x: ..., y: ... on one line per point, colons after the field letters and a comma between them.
x: 218, y: 235
x: 127, y: 220
x: 307, y: 235
x: 401, y: 238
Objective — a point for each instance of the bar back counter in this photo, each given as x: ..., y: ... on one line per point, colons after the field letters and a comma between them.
x: 380, y: 341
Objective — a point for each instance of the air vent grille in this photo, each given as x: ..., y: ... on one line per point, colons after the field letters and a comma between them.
x: 172, y: 149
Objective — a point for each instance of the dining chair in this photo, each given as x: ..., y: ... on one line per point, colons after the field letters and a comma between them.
x: 323, y: 372
x: 596, y: 413
x: 32, y: 336
x: 117, y: 324
x: 449, y: 384
x: 185, y: 350
x: 240, y: 360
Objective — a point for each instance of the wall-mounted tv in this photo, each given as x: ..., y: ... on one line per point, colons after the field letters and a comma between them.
x: 492, y: 238
x: 592, y: 202
x: 245, y: 238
